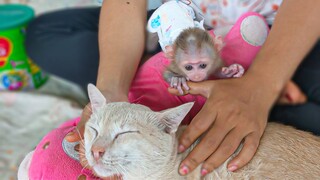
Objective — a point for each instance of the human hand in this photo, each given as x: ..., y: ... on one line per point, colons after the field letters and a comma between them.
x: 236, y: 111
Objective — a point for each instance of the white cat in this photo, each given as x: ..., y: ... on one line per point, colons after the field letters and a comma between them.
x: 132, y: 140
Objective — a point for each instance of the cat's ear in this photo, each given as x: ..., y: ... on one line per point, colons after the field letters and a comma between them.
x: 172, y: 118
x: 97, y: 100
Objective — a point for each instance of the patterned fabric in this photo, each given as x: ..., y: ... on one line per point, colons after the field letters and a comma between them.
x: 170, y: 19
x: 219, y: 13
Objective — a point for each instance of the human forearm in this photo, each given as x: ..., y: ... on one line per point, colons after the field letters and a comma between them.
x: 121, y: 43
x: 294, y: 32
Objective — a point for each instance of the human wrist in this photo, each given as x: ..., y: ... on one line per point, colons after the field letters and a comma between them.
x: 113, y: 93
x: 267, y: 87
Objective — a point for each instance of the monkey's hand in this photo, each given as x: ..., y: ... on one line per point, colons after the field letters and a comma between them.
x: 178, y: 82
x: 234, y: 70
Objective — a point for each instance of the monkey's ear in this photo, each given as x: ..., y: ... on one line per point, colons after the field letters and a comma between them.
x: 169, y: 52
x: 97, y: 100
x: 171, y: 118
x: 218, y: 42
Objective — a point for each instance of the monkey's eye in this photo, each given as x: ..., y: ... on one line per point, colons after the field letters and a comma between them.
x: 203, y: 66
x: 188, y: 67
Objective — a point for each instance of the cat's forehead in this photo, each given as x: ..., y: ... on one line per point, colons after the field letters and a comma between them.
x: 126, y: 109
x: 123, y: 113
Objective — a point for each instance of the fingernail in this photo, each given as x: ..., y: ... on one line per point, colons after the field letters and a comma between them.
x: 184, y: 170
x: 181, y: 148
x: 289, y: 97
x: 232, y: 168
x: 204, y: 172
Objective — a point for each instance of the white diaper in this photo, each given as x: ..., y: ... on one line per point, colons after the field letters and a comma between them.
x: 170, y: 19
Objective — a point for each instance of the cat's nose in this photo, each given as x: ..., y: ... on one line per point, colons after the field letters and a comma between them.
x: 97, y: 152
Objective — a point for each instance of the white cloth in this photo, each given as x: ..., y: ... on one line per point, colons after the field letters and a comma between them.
x: 219, y: 13
x: 170, y: 19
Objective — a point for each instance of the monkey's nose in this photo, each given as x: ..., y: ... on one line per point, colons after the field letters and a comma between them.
x: 97, y: 152
x: 197, y: 78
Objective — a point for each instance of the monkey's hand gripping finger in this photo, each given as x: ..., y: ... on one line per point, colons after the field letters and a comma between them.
x: 178, y: 83
x: 234, y: 70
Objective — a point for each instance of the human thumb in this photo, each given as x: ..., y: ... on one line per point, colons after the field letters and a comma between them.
x: 77, y: 133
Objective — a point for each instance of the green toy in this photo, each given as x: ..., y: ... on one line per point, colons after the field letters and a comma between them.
x: 17, y: 71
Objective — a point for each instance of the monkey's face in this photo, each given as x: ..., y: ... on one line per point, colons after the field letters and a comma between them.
x: 196, y: 70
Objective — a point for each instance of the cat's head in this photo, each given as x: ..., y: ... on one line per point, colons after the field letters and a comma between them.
x: 129, y: 139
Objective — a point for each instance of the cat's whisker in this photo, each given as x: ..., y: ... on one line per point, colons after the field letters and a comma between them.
x: 84, y: 167
x: 122, y: 170
x: 82, y: 154
x: 81, y: 142
x: 81, y: 138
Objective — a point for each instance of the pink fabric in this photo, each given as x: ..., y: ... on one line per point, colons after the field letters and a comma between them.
x: 236, y: 49
x: 148, y: 88
x: 49, y: 160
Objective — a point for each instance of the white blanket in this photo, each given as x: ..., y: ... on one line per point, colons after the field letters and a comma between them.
x: 25, y: 117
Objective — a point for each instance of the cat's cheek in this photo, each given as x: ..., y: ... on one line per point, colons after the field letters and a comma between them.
x: 83, y: 160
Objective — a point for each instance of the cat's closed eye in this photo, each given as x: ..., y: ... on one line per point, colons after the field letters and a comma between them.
x: 125, y: 132
x: 95, y: 130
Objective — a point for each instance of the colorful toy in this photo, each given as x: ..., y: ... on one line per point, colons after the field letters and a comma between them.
x: 17, y: 71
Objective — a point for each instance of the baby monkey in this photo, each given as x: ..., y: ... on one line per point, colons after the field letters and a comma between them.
x: 195, y: 57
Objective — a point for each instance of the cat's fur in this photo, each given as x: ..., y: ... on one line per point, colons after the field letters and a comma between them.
x: 141, y: 144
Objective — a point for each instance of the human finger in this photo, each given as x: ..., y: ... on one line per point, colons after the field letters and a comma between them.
x: 200, y: 123
x: 250, y: 146
x: 204, y: 149
x: 199, y: 88
x: 229, y: 145
x: 77, y: 133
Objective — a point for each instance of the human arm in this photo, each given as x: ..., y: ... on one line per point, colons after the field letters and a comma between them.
x: 237, y: 109
x: 121, y: 44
